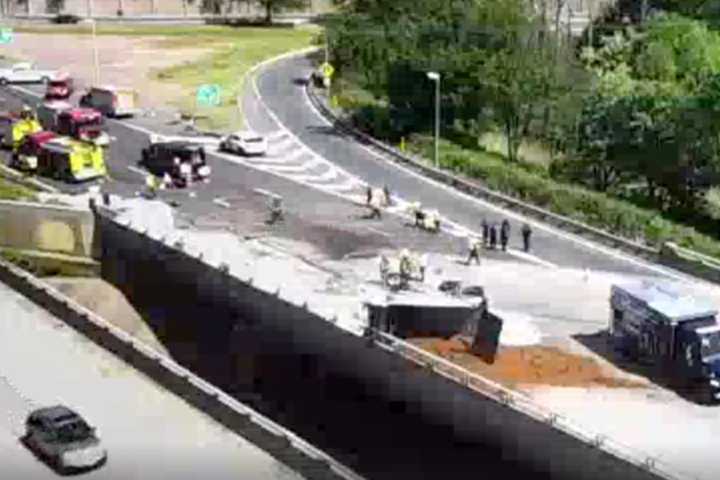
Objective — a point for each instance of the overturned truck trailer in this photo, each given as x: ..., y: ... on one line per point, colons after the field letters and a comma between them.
x: 436, y: 313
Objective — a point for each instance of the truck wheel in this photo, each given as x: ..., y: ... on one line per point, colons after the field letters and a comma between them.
x: 45, y: 80
x: 3, y: 81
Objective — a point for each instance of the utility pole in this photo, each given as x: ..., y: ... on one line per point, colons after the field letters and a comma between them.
x: 327, y: 53
x: 435, y: 77
x: 643, y: 11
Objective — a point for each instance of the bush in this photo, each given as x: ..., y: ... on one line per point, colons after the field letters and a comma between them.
x: 587, y: 206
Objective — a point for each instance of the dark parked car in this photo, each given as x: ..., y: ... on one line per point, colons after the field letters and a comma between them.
x: 160, y: 158
x: 64, y: 438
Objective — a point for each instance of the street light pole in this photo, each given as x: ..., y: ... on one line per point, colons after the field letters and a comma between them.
x: 435, y: 77
x: 96, y: 58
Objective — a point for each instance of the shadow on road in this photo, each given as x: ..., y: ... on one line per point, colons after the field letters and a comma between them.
x: 601, y: 344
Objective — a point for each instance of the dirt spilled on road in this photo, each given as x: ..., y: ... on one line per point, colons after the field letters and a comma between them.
x: 530, y: 365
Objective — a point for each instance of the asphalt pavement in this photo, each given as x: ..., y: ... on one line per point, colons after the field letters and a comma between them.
x: 315, y: 213
x: 149, y: 433
x: 314, y: 164
x: 281, y: 88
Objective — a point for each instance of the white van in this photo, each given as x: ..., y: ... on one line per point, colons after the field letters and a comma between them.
x: 111, y: 101
x: 47, y: 113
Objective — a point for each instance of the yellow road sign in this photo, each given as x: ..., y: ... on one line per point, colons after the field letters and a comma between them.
x: 327, y: 70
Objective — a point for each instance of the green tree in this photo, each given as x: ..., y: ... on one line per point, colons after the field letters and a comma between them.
x: 513, y: 82
x: 680, y: 49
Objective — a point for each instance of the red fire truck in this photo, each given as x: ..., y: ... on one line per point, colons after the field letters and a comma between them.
x: 82, y: 124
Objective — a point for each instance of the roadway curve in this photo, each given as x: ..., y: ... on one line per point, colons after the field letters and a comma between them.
x: 282, y: 91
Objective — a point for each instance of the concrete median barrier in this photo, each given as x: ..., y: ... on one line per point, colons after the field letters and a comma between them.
x: 46, y: 228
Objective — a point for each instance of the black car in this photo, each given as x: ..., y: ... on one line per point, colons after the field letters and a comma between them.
x: 167, y: 157
x: 64, y: 438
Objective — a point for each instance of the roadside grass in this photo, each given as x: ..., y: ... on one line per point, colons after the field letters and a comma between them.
x: 235, y: 50
x: 227, y: 67
x: 48, y: 265
x: 13, y: 191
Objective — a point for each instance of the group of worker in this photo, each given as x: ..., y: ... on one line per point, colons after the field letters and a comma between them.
x: 184, y: 178
x: 407, y: 266
x: 490, y: 239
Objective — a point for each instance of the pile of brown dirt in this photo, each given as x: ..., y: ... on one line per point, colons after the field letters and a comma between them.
x: 533, y: 365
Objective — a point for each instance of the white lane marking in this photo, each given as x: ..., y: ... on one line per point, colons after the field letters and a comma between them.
x: 303, y: 167
x: 327, y: 176
x: 266, y: 160
x: 345, y: 186
x: 276, y: 135
x: 518, y: 217
x: 379, y: 232
x: 222, y: 202
x: 137, y: 170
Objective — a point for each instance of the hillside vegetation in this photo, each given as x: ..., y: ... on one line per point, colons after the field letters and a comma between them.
x: 620, y: 128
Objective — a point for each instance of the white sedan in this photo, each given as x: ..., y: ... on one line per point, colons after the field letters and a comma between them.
x: 25, y: 73
x: 244, y: 143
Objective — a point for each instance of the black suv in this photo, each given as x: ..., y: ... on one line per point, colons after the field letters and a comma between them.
x: 159, y: 158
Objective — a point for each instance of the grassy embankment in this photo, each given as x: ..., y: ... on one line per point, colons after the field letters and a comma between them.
x: 235, y: 50
x: 14, y: 191
x: 531, y: 182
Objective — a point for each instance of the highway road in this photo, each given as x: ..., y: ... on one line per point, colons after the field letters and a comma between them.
x: 307, y: 152
x: 149, y: 433
x: 282, y: 91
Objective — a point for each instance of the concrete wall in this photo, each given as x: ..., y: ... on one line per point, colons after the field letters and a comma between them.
x: 372, y: 409
x: 45, y: 228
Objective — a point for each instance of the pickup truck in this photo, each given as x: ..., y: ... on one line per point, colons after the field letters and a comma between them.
x: 25, y: 73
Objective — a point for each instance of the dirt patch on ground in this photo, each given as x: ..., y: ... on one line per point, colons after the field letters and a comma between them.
x: 108, y: 302
x: 124, y: 61
x: 533, y: 365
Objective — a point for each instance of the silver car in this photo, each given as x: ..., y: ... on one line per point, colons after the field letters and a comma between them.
x: 25, y: 72
x: 63, y: 438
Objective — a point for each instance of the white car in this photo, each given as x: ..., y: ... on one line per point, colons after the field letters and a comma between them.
x: 25, y: 73
x: 64, y: 439
x: 245, y: 143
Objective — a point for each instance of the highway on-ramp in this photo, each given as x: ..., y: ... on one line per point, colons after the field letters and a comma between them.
x: 280, y: 86
x: 149, y: 433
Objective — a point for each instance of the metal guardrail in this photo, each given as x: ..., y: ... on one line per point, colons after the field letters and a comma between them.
x: 477, y: 190
x: 683, y: 252
x: 524, y: 404
x: 182, y: 373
